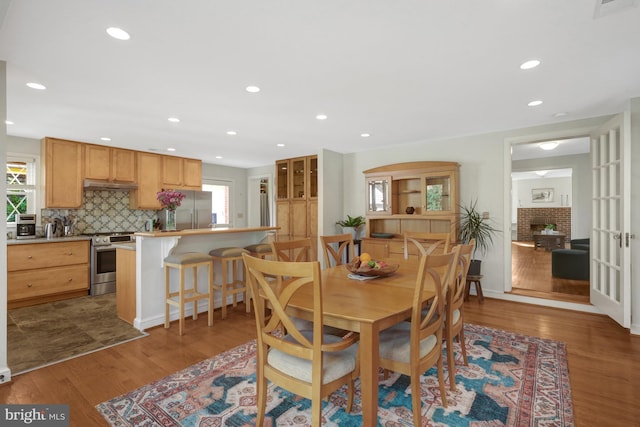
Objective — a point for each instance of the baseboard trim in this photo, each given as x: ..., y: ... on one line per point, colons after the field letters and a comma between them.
x: 587, y: 308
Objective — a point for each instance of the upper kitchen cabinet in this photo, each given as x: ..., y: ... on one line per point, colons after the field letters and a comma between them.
x: 63, y: 173
x: 109, y: 164
x: 149, y: 170
x: 181, y: 173
x: 413, y: 196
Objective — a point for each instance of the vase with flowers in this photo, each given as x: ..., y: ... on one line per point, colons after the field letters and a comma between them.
x: 170, y: 200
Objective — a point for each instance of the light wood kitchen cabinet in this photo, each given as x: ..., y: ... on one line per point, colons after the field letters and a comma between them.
x: 413, y: 196
x: 126, y: 284
x: 297, y: 198
x: 148, y: 170
x: 43, y: 272
x: 109, y: 164
x: 181, y: 173
x: 63, y: 173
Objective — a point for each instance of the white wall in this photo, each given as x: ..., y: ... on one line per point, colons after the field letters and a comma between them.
x: 561, y: 187
x: 5, y: 374
x: 239, y: 199
x: 635, y: 215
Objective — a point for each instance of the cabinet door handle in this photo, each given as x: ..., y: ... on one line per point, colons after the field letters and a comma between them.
x: 70, y: 279
x: 70, y: 253
x: 29, y: 285
x: 29, y: 257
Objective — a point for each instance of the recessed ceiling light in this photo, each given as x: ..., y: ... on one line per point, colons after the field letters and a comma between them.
x: 548, y: 145
x: 560, y: 114
x: 365, y: 135
x: 118, y: 33
x: 37, y: 86
x: 534, y: 103
x: 174, y: 119
x: 105, y: 139
x: 321, y: 117
x: 171, y: 149
x: 279, y: 145
x: 219, y: 157
x: 8, y: 122
x: 530, y: 64
x: 541, y: 173
x: 232, y: 132
x: 252, y: 89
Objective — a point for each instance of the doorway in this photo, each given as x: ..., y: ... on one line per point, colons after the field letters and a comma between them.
x: 259, y: 203
x: 550, y: 194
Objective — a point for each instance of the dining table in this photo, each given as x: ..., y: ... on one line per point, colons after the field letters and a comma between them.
x: 366, y: 307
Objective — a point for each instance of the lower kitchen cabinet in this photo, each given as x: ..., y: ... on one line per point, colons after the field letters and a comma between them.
x: 126, y: 284
x: 43, y: 272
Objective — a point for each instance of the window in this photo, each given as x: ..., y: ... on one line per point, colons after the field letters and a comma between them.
x: 220, y: 202
x: 21, y: 187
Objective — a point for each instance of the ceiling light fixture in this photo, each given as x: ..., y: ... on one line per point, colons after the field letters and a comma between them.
x: 37, y: 86
x: 534, y: 103
x: 548, y: 145
x: 560, y: 114
x: 541, y: 173
x: 365, y: 135
x: 219, y: 157
x: 118, y: 33
x: 232, y: 132
x: 252, y: 89
x: 8, y: 122
x: 279, y: 145
x: 533, y: 63
x: 104, y: 138
x: 321, y: 117
x: 174, y: 119
x: 171, y: 149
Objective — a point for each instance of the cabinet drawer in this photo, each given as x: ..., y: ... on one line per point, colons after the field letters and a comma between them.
x: 44, y: 255
x: 45, y: 281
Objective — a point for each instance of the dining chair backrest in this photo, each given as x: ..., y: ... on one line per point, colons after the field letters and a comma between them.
x: 455, y: 298
x: 427, y: 240
x: 336, y: 247
x: 293, y: 250
x: 295, y: 360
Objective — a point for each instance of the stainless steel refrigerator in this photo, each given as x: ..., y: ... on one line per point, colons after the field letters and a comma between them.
x: 195, y: 210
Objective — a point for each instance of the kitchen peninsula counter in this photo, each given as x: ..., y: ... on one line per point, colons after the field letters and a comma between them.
x: 152, y: 247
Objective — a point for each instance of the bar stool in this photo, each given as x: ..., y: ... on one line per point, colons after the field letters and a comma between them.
x: 231, y: 258
x: 260, y: 250
x: 475, y: 279
x: 185, y: 295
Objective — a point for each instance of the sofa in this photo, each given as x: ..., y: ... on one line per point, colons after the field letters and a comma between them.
x: 572, y: 263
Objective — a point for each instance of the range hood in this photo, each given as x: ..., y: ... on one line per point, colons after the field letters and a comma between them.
x: 90, y: 184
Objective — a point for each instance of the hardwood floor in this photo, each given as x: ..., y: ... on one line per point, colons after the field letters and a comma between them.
x: 602, y: 357
x: 531, y: 276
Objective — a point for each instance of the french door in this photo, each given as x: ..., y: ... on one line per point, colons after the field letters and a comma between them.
x: 610, y: 232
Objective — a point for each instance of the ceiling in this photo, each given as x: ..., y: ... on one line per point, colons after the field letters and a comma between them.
x: 401, y: 71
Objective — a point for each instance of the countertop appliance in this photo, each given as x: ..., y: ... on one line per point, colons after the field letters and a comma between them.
x: 26, y: 226
x: 103, y: 260
x: 195, y: 210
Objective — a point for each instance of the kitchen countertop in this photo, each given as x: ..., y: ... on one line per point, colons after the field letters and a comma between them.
x: 45, y: 240
x: 202, y: 231
x: 129, y: 246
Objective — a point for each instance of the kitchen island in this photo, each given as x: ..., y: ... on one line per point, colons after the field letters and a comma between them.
x: 151, y: 249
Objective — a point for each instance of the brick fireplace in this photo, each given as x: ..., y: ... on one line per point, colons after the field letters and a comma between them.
x: 535, y: 219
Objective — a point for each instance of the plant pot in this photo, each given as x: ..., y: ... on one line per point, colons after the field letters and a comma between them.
x: 352, y: 230
x: 474, y: 267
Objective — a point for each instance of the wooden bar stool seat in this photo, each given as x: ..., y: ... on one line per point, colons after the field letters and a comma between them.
x: 185, y: 295
x: 475, y: 279
x: 231, y: 259
x: 260, y: 250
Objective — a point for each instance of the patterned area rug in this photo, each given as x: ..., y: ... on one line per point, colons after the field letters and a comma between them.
x: 511, y: 380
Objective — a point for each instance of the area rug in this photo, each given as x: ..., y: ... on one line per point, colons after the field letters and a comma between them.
x: 45, y: 334
x: 511, y: 380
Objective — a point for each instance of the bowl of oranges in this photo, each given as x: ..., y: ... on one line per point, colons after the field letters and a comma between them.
x: 364, y: 265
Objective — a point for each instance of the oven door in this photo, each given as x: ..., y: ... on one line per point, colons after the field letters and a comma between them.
x: 103, y: 269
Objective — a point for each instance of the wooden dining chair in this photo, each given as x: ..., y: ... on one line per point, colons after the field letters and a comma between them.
x: 454, y: 305
x: 335, y: 247
x: 427, y: 240
x: 411, y: 348
x: 310, y: 364
x: 292, y: 250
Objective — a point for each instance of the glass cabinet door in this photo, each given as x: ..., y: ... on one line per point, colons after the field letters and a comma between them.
x: 437, y: 193
x: 298, y: 178
x: 378, y: 197
x: 282, y: 180
x: 313, y: 177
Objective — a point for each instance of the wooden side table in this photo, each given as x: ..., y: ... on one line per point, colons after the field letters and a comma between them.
x: 475, y: 279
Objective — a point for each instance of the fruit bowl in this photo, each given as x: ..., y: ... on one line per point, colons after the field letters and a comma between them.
x: 371, y: 268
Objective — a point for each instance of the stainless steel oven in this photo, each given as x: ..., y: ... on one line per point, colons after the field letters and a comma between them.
x: 103, y: 261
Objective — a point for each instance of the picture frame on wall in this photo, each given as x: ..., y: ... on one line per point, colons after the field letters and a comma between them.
x: 542, y: 195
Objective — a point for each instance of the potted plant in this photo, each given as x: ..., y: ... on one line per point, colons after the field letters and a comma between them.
x: 549, y: 229
x: 472, y: 225
x: 352, y: 225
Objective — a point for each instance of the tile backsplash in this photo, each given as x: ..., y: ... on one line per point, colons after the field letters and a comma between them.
x: 102, y: 211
